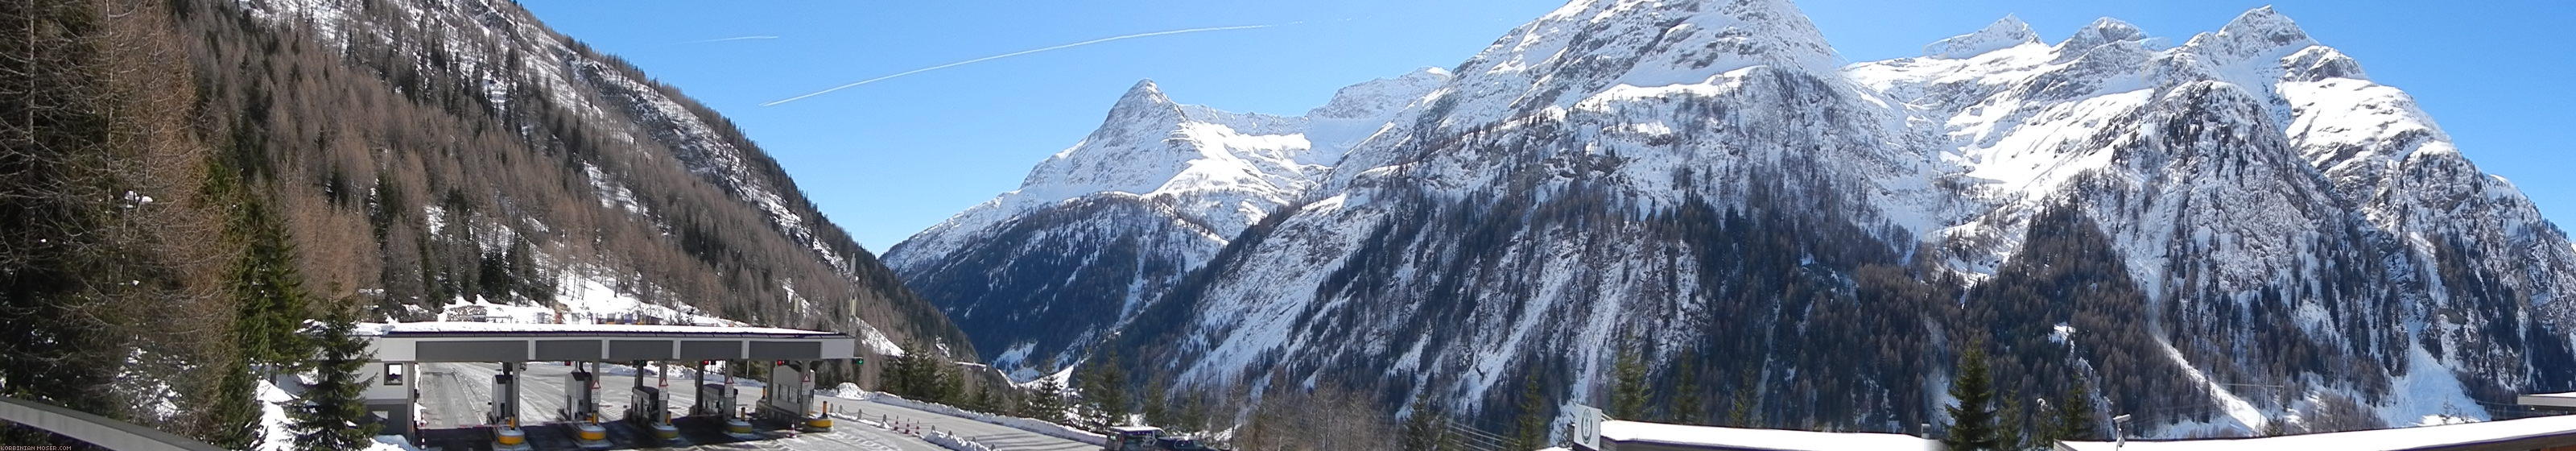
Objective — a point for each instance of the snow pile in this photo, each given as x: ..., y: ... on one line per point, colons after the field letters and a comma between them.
x: 952, y: 441
x: 1025, y: 424
x: 846, y: 390
x: 1770, y: 439
x: 391, y: 443
x: 277, y: 431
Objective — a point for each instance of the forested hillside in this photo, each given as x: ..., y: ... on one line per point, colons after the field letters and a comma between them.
x: 184, y: 181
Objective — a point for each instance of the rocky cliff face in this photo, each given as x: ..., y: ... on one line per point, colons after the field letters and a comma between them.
x: 2231, y: 235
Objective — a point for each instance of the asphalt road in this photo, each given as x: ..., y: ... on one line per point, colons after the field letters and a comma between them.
x: 457, y: 395
x: 999, y: 436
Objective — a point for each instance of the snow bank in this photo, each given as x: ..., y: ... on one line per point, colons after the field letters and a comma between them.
x: 1025, y: 424
x: 952, y: 441
x: 1770, y: 439
x: 391, y: 443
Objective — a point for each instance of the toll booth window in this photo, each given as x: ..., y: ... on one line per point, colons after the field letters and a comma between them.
x: 393, y: 374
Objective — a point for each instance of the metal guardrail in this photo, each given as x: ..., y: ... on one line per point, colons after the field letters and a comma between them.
x: 94, y: 429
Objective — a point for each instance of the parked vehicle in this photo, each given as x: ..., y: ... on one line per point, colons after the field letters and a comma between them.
x: 1132, y: 438
x: 1149, y: 438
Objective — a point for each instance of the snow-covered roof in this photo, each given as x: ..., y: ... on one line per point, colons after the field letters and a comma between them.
x: 470, y: 327
x: 2562, y: 400
x: 1762, y: 439
x: 2415, y: 438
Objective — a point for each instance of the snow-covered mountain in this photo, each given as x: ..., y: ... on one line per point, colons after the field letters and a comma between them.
x: 1103, y: 226
x: 2233, y: 234
x: 689, y: 214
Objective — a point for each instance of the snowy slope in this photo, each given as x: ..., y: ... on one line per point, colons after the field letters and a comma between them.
x: 1098, y: 229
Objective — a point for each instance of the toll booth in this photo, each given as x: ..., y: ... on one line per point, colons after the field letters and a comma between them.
x: 790, y: 396
x: 715, y: 398
x: 648, y: 408
x: 581, y: 395
x: 506, y: 435
x: 505, y: 396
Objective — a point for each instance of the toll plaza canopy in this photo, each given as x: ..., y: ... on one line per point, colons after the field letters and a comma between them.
x: 456, y: 341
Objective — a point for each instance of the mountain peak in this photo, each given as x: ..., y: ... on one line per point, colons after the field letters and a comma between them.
x: 1143, y: 103
x: 2264, y: 22
x: 1590, y: 45
x: 2257, y: 32
x: 2102, y: 31
x: 1145, y: 92
x: 1376, y: 98
x: 2007, y: 32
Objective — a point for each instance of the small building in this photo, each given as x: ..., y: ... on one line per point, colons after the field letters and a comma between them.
x: 1639, y: 436
x: 2556, y: 433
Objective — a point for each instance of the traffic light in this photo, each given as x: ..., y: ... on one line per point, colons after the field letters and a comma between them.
x: 859, y: 361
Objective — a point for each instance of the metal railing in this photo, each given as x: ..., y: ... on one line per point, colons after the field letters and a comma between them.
x: 94, y: 429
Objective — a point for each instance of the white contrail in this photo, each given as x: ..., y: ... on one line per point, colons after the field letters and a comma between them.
x: 1018, y: 53
x: 736, y: 38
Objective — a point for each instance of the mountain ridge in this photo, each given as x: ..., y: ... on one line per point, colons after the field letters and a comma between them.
x: 2250, y: 184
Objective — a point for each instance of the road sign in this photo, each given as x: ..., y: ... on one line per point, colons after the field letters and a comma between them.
x: 1587, y: 426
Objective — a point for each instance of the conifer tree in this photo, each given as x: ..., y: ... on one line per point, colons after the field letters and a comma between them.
x: 332, y: 417
x: 1628, y: 391
x: 945, y: 386
x: 898, y: 373
x: 1105, y: 390
x: 1530, y: 430
x: 1741, y: 414
x: 1687, y: 406
x: 2008, y: 424
x: 2074, y: 414
x: 1423, y: 430
x: 1157, y: 412
x: 986, y: 400
x: 1046, y: 400
x: 267, y: 288
x: 1972, y: 420
x: 235, y: 415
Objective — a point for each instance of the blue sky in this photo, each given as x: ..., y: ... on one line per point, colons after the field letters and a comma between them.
x: 889, y: 158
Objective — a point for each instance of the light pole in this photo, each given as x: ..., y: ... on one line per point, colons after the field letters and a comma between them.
x: 2119, y: 440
